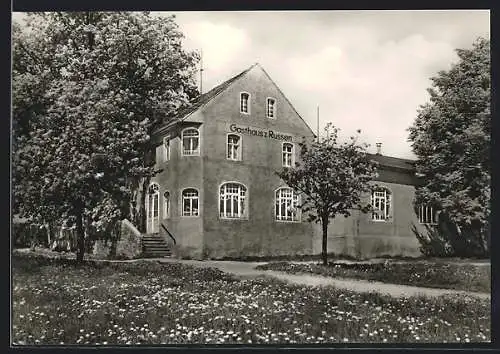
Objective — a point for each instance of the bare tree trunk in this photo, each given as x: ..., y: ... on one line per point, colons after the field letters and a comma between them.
x: 133, y: 203
x: 324, y: 248
x: 49, y: 230
x: 141, y: 212
x: 80, y: 234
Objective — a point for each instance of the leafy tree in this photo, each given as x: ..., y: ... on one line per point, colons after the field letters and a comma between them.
x: 451, y: 138
x: 331, y: 178
x: 88, y: 85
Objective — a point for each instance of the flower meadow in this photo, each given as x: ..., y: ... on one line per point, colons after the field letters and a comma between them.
x: 427, y: 274
x: 56, y: 302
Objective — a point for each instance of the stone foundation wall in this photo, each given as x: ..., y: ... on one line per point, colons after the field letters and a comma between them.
x: 127, y: 247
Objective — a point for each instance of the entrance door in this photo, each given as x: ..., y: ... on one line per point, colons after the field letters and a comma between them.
x: 152, y: 209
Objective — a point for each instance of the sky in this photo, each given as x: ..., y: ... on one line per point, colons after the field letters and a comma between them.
x: 365, y: 70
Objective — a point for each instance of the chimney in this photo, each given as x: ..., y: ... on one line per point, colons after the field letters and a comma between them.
x: 379, y: 147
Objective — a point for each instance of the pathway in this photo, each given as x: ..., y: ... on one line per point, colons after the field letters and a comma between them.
x: 247, y: 270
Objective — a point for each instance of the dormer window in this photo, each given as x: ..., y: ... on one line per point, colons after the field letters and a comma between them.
x: 271, y: 108
x: 244, y: 102
x: 190, y: 142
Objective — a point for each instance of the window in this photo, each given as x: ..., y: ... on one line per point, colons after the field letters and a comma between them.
x: 166, y: 148
x: 381, y: 202
x: 287, y: 154
x: 190, y: 202
x: 271, y: 108
x: 427, y: 215
x: 166, y: 205
x: 244, y: 99
x: 232, y: 201
x: 190, y: 141
x: 287, y: 205
x: 234, y: 147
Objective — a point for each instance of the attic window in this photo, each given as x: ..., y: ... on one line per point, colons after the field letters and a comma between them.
x: 271, y: 108
x: 244, y: 98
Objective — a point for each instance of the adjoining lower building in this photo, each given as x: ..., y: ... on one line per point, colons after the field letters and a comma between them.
x: 218, y: 195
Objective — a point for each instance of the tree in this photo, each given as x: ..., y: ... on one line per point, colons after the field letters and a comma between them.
x: 90, y: 84
x: 331, y: 178
x: 451, y: 138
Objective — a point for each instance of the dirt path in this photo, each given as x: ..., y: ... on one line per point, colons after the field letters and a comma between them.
x: 247, y: 270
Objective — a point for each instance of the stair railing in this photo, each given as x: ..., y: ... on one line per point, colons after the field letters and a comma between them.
x: 169, y: 234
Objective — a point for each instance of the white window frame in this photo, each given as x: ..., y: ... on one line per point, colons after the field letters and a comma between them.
x: 274, y: 105
x: 166, y: 148
x: 287, y: 153
x: 192, y: 152
x: 426, y: 212
x: 241, y: 200
x: 153, y: 190
x: 378, y: 195
x: 240, y: 145
x: 247, y: 103
x: 166, y: 205
x: 190, y: 199
x: 292, y: 202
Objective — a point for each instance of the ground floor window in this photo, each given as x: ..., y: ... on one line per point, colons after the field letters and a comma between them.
x: 427, y: 215
x: 381, y: 202
x: 287, y: 202
x: 190, y: 202
x: 232, y: 201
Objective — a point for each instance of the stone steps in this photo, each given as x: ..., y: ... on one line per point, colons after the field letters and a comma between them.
x: 154, y: 246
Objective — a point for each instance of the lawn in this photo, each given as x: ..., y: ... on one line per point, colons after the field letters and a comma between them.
x: 56, y: 302
x: 427, y: 274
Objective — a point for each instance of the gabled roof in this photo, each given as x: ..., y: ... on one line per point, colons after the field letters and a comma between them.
x: 205, y: 98
x: 208, y: 96
x: 394, y: 162
x: 286, y: 98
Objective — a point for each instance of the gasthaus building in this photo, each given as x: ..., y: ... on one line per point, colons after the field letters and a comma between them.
x: 218, y: 195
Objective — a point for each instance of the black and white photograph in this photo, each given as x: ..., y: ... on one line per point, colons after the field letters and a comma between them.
x: 243, y: 178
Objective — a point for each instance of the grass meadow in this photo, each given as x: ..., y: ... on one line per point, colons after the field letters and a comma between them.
x: 57, y: 302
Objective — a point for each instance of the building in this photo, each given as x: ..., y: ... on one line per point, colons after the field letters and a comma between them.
x: 218, y: 195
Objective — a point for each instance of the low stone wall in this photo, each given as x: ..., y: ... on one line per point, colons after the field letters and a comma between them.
x: 127, y: 247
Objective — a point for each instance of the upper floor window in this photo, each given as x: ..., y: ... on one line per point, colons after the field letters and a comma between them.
x: 190, y: 202
x: 287, y: 205
x: 287, y: 154
x: 244, y: 102
x: 234, y: 147
x: 166, y: 205
x: 232, y: 200
x: 271, y: 108
x: 190, y: 141
x: 427, y: 215
x: 166, y: 148
x: 381, y: 202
